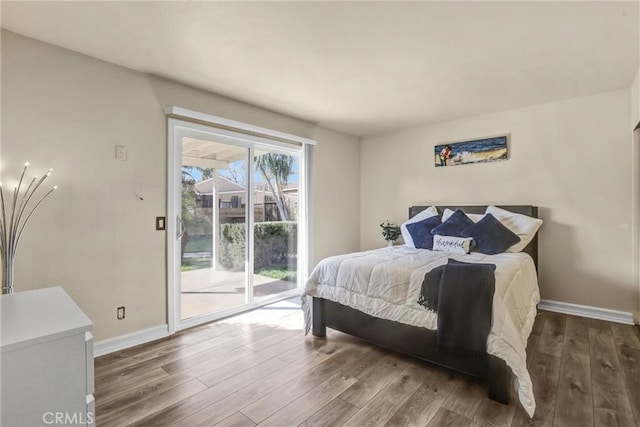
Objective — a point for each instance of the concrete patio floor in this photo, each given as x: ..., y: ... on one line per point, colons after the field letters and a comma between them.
x: 206, y: 290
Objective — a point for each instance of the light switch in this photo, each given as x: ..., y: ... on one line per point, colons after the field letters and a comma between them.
x: 121, y: 153
x: 160, y: 223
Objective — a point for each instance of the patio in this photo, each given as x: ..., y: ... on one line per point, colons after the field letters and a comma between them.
x: 207, y: 290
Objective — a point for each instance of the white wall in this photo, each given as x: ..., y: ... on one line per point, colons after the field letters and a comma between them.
x: 635, y: 101
x: 635, y: 123
x: 94, y: 237
x: 570, y: 158
x: 336, y: 204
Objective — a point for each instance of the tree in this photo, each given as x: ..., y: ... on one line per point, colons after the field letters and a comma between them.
x: 236, y: 172
x: 275, y: 169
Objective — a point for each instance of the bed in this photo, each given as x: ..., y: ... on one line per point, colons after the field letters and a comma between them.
x: 408, y: 328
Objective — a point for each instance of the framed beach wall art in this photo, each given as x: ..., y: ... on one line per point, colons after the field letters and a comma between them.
x: 483, y: 150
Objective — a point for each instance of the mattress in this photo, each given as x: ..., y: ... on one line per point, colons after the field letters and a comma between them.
x: 386, y: 283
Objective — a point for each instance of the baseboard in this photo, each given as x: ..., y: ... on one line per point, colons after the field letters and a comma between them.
x: 140, y: 337
x: 587, y: 311
x: 129, y: 340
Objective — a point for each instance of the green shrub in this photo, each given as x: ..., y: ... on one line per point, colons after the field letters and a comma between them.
x: 280, y: 274
x: 275, y: 246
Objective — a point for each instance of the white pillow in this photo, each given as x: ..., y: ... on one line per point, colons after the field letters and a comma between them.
x: 524, y: 226
x: 455, y: 245
x: 427, y: 213
x: 473, y: 217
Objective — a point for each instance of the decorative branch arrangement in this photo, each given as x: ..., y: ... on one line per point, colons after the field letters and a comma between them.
x: 13, y: 219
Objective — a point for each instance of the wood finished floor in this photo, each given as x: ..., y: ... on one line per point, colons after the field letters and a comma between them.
x: 258, y: 369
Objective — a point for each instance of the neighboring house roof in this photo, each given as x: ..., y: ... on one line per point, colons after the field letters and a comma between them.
x: 225, y: 185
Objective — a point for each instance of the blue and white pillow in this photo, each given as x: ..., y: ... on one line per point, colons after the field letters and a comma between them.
x: 523, y: 226
x: 427, y: 213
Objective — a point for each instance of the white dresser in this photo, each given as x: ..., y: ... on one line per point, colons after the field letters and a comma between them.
x: 46, y: 375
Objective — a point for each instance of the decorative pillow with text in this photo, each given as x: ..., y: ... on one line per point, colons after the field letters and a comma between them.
x: 455, y: 245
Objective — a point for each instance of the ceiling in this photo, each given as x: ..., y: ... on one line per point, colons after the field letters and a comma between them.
x: 360, y: 67
x: 209, y: 154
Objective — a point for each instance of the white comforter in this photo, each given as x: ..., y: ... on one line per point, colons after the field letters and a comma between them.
x: 386, y: 283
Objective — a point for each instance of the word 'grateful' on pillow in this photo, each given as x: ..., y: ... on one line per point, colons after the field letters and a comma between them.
x: 452, y: 244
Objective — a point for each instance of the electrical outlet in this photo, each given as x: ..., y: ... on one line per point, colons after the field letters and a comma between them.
x: 120, y: 313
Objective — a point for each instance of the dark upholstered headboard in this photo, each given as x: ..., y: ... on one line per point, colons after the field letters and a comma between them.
x: 532, y: 247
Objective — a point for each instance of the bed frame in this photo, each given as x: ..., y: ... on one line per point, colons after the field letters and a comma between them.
x: 420, y: 342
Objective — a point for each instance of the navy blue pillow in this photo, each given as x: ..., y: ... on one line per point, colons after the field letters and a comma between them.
x: 491, y: 236
x: 453, y: 226
x: 421, y: 232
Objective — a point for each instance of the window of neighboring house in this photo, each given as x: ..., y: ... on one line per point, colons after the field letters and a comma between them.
x: 207, y: 201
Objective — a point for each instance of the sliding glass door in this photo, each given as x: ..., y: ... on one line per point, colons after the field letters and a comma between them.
x: 235, y: 206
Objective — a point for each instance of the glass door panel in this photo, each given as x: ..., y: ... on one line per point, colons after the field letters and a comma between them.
x: 236, y: 215
x: 275, y: 233
x: 214, y: 222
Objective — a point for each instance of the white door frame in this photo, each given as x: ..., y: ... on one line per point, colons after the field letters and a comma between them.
x: 176, y: 130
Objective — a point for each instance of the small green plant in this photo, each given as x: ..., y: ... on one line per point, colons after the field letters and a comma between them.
x: 390, y: 231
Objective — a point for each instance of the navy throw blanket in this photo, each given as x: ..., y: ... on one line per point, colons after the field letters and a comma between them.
x: 431, y: 287
x: 464, y: 302
x: 465, y: 305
